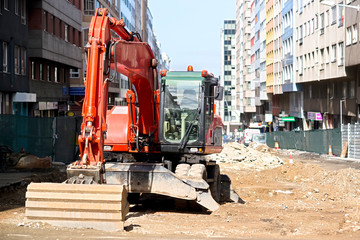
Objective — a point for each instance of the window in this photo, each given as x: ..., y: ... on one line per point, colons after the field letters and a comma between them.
x: 327, y: 54
x: 341, y: 54
x: 32, y: 70
x: 23, y: 11
x: 352, y: 89
x: 354, y: 33
x: 56, y: 75
x: 333, y: 15
x: 5, y: 56
x: 41, y: 72
x: 60, y: 30
x: 6, y: 5
x: 321, y: 60
x: 45, y: 21
x: 322, y: 23
x: 48, y: 73
x: 89, y: 7
x: 344, y: 89
x: 312, y: 26
x: 327, y: 18
x: 23, y: 61
x: 16, y: 7
x: 17, y: 59
x: 348, y: 36
x: 53, y: 19
x: 333, y: 53
x: 300, y: 65
x: 340, y: 15
x: 66, y: 32
x: 63, y: 75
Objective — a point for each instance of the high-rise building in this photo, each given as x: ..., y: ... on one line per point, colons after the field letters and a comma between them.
x: 243, y: 59
x: 228, y: 108
x: 258, y: 59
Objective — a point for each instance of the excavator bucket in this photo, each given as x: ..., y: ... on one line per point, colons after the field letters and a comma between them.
x: 98, y: 206
x: 156, y: 179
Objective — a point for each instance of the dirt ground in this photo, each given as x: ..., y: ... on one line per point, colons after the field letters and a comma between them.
x: 313, y: 197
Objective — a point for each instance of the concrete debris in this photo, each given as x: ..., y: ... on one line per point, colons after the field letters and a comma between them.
x: 256, y: 156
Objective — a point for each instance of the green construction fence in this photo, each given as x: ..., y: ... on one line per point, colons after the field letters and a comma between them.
x: 317, y: 141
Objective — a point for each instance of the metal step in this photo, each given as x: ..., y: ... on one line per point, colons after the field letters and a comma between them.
x: 97, y: 206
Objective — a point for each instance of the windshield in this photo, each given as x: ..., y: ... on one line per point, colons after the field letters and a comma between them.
x: 181, y: 109
x: 258, y: 137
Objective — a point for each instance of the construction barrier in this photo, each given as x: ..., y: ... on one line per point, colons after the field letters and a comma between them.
x: 317, y: 141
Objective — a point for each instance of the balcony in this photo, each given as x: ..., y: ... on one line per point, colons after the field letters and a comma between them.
x: 249, y: 109
x: 263, y: 96
x: 249, y: 94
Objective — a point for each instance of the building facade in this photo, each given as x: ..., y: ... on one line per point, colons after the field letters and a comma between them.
x: 228, y: 108
x: 14, y: 84
x: 54, y: 51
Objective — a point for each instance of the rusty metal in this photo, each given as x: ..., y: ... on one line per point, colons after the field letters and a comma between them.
x: 97, y: 206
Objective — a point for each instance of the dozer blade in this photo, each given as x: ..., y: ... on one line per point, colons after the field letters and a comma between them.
x: 156, y: 179
x: 97, y: 206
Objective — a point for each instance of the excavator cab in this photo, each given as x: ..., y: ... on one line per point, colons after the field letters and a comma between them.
x: 188, y: 123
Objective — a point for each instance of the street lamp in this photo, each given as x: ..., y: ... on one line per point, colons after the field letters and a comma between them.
x: 332, y: 3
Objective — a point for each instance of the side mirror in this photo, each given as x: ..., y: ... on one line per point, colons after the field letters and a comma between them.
x: 219, y: 93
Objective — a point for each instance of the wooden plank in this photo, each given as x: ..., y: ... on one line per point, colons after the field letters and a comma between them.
x: 74, y: 196
x: 73, y: 215
x: 62, y: 187
x: 74, y: 205
x: 344, y: 150
x: 102, y: 207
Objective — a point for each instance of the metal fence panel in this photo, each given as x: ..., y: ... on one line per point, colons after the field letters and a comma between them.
x: 34, y: 135
x: 67, y: 129
x: 311, y: 141
x: 351, y: 135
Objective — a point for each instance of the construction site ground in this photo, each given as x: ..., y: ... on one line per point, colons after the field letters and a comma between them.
x: 307, y: 197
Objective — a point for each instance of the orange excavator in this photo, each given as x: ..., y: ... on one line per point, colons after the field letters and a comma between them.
x: 157, y: 144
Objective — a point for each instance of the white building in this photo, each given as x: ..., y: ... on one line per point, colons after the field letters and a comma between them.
x: 229, y: 109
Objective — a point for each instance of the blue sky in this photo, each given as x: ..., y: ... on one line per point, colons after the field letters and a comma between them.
x: 189, y: 31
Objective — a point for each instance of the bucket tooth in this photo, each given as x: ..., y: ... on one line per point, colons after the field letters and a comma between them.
x: 205, y: 199
x: 97, y: 206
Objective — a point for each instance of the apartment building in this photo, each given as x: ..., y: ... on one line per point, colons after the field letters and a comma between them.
x: 320, y: 66
x: 258, y: 58
x: 350, y: 97
x: 54, y: 50
x: 229, y: 113
x: 14, y: 84
x: 292, y: 91
x: 243, y: 58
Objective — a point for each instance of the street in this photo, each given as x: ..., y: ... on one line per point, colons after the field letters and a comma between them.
x: 315, y: 197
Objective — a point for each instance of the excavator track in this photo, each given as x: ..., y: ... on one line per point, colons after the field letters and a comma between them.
x: 98, y: 206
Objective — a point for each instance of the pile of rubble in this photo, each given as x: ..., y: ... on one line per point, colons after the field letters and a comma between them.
x: 256, y: 156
